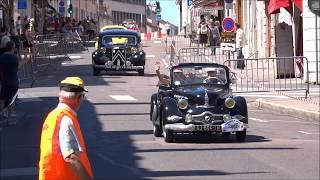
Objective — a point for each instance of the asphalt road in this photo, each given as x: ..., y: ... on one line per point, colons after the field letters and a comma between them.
x: 115, y: 122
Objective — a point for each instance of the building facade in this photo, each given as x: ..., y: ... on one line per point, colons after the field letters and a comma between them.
x: 311, y: 42
x: 119, y: 10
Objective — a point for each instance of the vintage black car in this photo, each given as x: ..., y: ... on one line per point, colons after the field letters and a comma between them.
x: 198, y: 100
x: 118, y: 50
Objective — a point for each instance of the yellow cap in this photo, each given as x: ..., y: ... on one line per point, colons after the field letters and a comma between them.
x: 72, y: 84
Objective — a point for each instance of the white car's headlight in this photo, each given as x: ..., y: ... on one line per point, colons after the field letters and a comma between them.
x: 182, y: 104
x: 230, y: 103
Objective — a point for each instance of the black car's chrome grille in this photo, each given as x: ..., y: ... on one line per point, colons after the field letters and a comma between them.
x: 207, y: 118
x: 118, y: 57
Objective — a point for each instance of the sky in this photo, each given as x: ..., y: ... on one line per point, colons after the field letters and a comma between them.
x: 169, y: 11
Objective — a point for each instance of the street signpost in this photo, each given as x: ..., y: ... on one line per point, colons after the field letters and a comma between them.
x: 22, y: 4
x: 228, y: 24
x: 190, y: 2
x: 62, y: 8
x: 158, y: 17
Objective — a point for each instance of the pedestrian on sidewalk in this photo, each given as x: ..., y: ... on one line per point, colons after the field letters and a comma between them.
x: 240, y: 41
x: 203, y: 31
x: 167, y: 26
x: 214, y: 38
x: 62, y: 149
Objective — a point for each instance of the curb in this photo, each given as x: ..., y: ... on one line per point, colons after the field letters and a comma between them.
x: 308, y: 115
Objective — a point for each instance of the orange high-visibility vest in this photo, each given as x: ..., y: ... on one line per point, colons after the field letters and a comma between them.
x: 52, y: 164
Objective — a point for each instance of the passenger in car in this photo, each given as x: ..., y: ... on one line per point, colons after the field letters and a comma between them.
x: 164, y: 79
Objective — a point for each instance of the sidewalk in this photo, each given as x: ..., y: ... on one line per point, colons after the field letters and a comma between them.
x: 292, y: 107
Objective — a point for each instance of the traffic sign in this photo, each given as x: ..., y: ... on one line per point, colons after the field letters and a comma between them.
x: 228, y: 24
x: 158, y: 17
x: 22, y: 4
x: 62, y: 10
x: 189, y: 2
x: 61, y: 3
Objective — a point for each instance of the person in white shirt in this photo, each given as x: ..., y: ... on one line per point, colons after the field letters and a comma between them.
x: 240, y: 41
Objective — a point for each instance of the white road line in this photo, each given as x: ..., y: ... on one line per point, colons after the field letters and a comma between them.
x: 281, y: 121
x: 259, y: 120
x: 31, y: 171
x: 123, y: 97
x: 150, y: 56
x: 303, y: 132
x: 75, y: 57
x: 165, y: 62
x: 157, y: 42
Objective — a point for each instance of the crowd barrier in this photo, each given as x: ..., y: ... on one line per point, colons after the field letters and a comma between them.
x: 278, y: 74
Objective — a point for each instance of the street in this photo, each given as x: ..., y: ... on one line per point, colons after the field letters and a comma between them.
x: 118, y: 132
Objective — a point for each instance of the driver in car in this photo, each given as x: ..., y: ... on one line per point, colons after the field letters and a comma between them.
x: 212, y: 77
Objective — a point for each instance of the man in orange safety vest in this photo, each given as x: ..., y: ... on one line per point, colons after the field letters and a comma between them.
x: 62, y: 149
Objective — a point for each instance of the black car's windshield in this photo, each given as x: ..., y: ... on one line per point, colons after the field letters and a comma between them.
x: 199, y: 75
x: 118, y: 39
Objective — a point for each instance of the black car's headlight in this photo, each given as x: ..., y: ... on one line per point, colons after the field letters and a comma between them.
x: 134, y: 50
x: 102, y: 50
x: 183, y: 103
x: 230, y: 103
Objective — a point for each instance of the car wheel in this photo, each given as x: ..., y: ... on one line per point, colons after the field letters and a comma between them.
x: 241, y: 135
x: 141, y: 72
x: 168, y: 136
x: 157, y: 131
x: 96, y: 72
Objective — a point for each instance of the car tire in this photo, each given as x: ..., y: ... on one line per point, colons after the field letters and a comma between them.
x: 96, y: 72
x: 157, y: 131
x: 168, y: 136
x: 141, y: 72
x: 241, y: 135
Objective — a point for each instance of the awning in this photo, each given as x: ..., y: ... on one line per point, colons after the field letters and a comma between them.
x: 275, y: 5
x: 298, y: 3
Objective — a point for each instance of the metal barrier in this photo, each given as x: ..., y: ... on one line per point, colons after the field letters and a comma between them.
x: 203, y: 55
x: 268, y: 74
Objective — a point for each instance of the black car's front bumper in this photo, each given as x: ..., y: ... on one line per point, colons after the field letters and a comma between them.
x: 228, y: 124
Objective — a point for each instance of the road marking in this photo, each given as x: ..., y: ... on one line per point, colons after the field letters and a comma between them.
x: 303, y: 132
x: 259, y: 120
x: 157, y: 42
x: 75, y: 57
x: 165, y: 62
x: 150, y: 56
x: 123, y: 98
x: 282, y: 121
x: 31, y: 171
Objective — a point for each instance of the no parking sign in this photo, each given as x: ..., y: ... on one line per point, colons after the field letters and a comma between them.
x: 228, y: 24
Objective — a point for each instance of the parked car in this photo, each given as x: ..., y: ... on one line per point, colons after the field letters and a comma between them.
x: 198, y: 101
x: 118, y: 50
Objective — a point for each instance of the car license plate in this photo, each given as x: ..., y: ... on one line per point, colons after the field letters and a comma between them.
x: 207, y: 128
